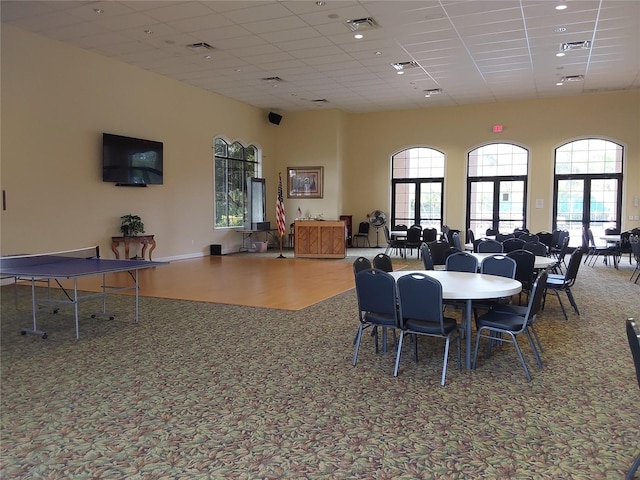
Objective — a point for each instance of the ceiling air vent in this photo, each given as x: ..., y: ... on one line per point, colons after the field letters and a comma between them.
x: 584, y: 45
x: 572, y: 78
x: 200, y: 47
x: 404, y: 65
x: 320, y: 101
x: 361, y: 24
x: 432, y: 91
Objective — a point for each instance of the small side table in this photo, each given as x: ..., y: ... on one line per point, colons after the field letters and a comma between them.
x: 144, y: 240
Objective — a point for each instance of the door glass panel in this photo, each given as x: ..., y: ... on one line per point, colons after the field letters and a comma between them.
x: 511, y: 205
x: 405, y: 201
x: 603, y: 205
x: 570, y: 202
x: 481, y: 207
x: 430, y: 204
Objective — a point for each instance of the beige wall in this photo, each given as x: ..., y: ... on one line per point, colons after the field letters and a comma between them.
x: 57, y: 100
x: 538, y: 125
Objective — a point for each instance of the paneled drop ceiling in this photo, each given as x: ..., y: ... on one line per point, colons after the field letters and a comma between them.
x: 302, y: 55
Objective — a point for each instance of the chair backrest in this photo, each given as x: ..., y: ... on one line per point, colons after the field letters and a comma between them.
x: 427, y: 260
x: 592, y: 241
x: 376, y: 292
x: 537, y: 296
x: 490, y: 232
x: 414, y: 235
x: 555, y: 239
x: 383, y: 262
x: 546, y: 238
x: 528, y: 237
x: 400, y: 227
x: 501, y: 237
x: 363, y: 227
x: 519, y: 231
x: 461, y: 262
x: 564, y: 247
x: 633, y: 335
x: 525, y: 263
x: 537, y: 248
x: 512, y: 244
x: 499, y: 265
x: 489, y: 246
x: 625, y: 245
x: 470, y: 236
x: 439, y: 251
x: 612, y: 231
x: 561, y: 236
x: 420, y: 298
x: 361, y: 263
x: 574, y: 264
x: 634, y: 242
x: 429, y: 235
x: 455, y: 241
x: 387, y: 235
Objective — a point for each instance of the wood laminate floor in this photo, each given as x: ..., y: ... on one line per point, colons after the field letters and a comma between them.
x: 288, y: 284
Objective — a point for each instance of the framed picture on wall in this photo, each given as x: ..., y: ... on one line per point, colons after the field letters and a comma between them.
x: 305, y: 182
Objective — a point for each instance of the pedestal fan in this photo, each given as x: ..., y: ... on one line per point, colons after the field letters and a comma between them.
x: 377, y: 219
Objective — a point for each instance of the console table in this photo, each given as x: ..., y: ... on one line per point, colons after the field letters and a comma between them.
x: 144, y: 240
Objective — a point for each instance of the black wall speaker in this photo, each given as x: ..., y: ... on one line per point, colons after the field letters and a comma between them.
x: 275, y: 118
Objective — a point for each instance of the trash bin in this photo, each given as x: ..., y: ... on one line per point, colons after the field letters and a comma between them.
x: 260, y: 247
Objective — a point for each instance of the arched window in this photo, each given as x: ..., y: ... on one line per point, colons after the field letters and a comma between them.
x: 417, y: 181
x: 233, y: 164
x: 587, y: 187
x: 497, y: 188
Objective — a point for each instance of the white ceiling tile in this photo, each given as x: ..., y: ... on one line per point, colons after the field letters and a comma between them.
x: 476, y: 51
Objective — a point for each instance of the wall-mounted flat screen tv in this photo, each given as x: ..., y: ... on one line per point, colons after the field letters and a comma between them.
x: 128, y: 161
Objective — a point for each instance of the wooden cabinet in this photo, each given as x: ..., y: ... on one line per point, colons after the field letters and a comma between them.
x: 348, y: 223
x: 320, y: 239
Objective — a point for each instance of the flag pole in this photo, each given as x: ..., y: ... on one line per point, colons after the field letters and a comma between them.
x: 280, y: 214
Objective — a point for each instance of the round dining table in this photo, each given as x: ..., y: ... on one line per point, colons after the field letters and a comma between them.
x: 468, y: 287
x: 540, y: 262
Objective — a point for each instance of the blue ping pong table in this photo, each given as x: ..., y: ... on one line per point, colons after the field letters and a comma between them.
x: 70, y: 265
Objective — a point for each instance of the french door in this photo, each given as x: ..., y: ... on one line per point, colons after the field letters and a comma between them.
x: 587, y: 201
x: 497, y: 203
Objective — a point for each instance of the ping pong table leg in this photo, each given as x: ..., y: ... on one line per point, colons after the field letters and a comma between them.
x: 136, y: 281
x: 34, y: 330
x: 75, y: 306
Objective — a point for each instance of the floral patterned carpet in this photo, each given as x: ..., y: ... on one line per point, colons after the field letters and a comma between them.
x: 210, y: 391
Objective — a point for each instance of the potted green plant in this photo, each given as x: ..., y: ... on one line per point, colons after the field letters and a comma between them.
x: 131, y: 225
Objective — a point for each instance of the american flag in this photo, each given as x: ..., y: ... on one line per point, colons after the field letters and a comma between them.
x: 280, y: 209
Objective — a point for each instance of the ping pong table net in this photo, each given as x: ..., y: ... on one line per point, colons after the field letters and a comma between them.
x: 53, y: 257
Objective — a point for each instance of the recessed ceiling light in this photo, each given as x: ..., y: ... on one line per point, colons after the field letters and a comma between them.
x: 98, y: 10
x: 148, y: 32
x: 400, y: 72
x: 207, y: 57
x: 560, y: 29
x: 560, y: 54
x: 321, y: 3
x: 562, y: 6
x: 378, y: 53
x: 358, y: 36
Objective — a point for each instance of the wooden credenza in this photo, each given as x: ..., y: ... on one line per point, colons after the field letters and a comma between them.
x: 320, y: 239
